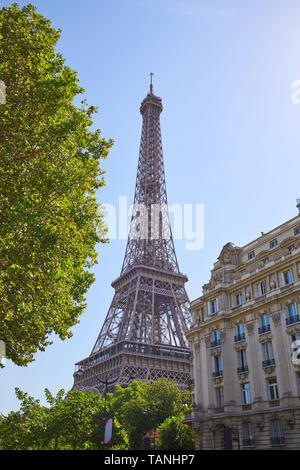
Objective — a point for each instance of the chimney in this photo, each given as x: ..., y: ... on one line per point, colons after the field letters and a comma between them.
x: 298, y: 204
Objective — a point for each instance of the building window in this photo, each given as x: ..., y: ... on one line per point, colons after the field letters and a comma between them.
x: 248, y: 434
x: 215, y: 339
x: 242, y: 361
x: 292, y: 314
x: 251, y: 255
x: 268, y: 354
x: 239, y: 332
x: 292, y: 248
x: 213, y: 306
x: 239, y: 299
x: 295, y: 345
x: 266, y: 260
x: 262, y: 288
x: 273, y: 393
x: 273, y: 243
x: 287, y: 277
x: 297, y: 231
x: 220, y: 396
x: 217, y: 364
x: 292, y: 309
x: 245, y: 389
x: 264, y: 323
x: 277, y: 436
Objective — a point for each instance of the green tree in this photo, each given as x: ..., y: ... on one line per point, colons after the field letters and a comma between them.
x: 174, y: 435
x: 25, y: 429
x: 142, y: 407
x: 71, y: 421
x: 49, y: 166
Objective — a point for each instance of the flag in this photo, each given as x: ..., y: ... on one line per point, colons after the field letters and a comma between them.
x: 108, y: 431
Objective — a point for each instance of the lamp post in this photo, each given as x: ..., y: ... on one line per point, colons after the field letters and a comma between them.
x: 105, y: 382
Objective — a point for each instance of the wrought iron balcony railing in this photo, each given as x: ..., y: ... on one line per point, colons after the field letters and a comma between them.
x: 218, y: 373
x: 268, y: 362
x: 292, y: 319
x: 249, y: 442
x: 243, y: 369
x: 216, y: 343
x: 277, y: 440
x: 239, y: 337
x: 264, y: 329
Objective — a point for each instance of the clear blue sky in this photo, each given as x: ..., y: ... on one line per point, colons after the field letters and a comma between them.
x: 231, y: 136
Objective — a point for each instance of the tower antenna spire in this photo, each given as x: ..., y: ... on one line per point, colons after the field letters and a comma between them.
x: 151, y: 84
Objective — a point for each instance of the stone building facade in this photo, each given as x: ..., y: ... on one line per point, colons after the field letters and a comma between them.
x: 245, y: 341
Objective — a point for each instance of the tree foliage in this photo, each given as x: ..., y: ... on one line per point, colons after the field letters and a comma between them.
x: 142, y: 407
x: 174, y: 435
x: 71, y: 421
x: 75, y: 420
x: 49, y: 166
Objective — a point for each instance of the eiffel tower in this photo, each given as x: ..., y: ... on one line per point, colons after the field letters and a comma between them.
x: 142, y: 337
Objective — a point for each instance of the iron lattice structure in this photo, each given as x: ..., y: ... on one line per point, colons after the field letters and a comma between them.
x: 142, y: 336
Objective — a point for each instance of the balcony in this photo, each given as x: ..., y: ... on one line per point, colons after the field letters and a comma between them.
x: 215, y: 344
x: 264, y: 329
x: 248, y: 442
x: 242, y: 369
x: 268, y: 362
x: 218, y: 373
x: 239, y: 337
x: 219, y: 409
x: 292, y: 319
x: 277, y: 440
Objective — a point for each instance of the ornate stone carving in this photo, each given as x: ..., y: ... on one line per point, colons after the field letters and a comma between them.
x: 276, y: 317
x: 250, y: 328
x: 240, y: 345
x: 269, y: 370
x: 207, y: 341
x: 218, y: 380
x: 260, y: 423
x: 243, y: 376
x: 290, y: 419
x: 272, y: 284
x: 226, y: 258
x: 265, y: 338
x: 216, y: 351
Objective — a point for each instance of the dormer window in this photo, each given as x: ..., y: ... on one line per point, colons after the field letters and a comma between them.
x: 251, y: 255
x: 292, y: 248
x: 273, y: 243
x: 297, y: 231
